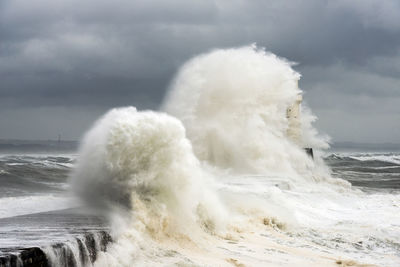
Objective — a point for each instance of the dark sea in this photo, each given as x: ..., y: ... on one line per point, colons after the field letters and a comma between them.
x: 369, y: 171
x: 38, y: 210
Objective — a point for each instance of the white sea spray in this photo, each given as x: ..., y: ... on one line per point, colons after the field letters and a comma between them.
x: 221, y: 183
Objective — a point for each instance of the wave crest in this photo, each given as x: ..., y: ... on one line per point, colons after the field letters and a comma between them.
x: 143, y: 162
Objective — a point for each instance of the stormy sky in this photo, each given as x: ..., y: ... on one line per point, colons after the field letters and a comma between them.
x: 65, y: 62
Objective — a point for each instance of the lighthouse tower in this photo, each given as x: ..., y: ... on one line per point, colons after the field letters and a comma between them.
x: 294, y: 122
x: 293, y: 113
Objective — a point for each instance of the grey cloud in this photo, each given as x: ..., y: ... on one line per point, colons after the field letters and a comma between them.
x: 100, y: 54
x: 47, y: 122
x: 361, y: 127
x: 373, y: 13
x: 349, y: 80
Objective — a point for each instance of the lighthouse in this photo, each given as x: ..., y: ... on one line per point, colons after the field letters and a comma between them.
x: 294, y: 122
x: 293, y: 113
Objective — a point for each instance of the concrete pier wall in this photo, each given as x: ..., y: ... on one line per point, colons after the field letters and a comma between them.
x: 82, y: 251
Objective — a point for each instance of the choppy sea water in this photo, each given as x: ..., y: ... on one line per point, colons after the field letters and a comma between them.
x: 368, y: 171
x: 38, y: 210
x: 363, y: 225
x: 34, y: 183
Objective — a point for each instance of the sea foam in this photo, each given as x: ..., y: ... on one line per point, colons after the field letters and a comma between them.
x: 143, y: 160
x: 233, y: 104
x: 221, y: 183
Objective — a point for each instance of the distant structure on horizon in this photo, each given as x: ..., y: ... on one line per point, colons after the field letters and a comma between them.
x: 10, y: 145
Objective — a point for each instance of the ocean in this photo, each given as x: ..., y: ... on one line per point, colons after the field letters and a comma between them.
x: 37, y: 210
x: 218, y: 177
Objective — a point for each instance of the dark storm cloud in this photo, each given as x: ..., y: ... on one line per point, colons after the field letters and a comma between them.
x: 93, y: 55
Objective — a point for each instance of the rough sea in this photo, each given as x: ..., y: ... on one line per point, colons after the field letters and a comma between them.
x: 37, y: 209
x: 217, y: 177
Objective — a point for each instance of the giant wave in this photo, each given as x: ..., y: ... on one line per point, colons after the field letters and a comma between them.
x: 218, y: 182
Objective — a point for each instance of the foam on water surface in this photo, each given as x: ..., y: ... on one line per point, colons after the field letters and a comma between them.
x: 15, y: 206
x: 221, y: 184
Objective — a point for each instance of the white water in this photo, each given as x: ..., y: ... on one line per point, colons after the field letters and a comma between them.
x: 15, y: 206
x: 386, y: 157
x: 222, y: 185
